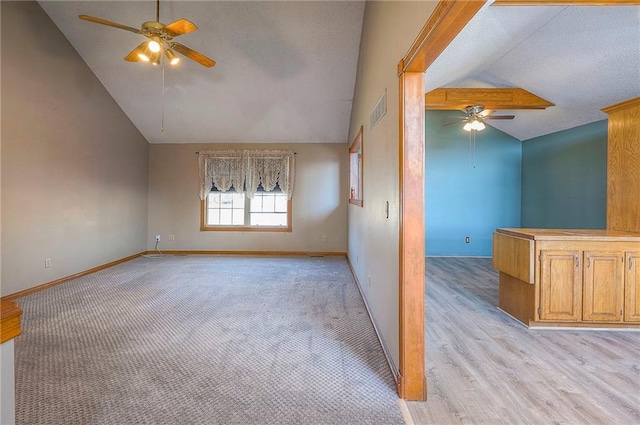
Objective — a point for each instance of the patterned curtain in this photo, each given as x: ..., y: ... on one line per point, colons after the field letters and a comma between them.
x: 247, y: 169
x: 223, y: 169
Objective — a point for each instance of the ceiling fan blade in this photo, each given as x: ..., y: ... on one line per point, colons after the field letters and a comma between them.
x: 179, y: 27
x: 133, y: 56
x: 108, y: 23
x: 499, y: 117
x: 193, y: 55
x: 449, y: 124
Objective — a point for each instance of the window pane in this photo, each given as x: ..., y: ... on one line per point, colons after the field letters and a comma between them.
x: 256, y: 203
x: 226, y: 200
x: 281, y: 203
x: 268, y: 203
x: 226, y: 217
x: 214, y: 200
x: 238, y: 217
x: 268, y: 219
x: 238, y: 200
x: 213, y: 217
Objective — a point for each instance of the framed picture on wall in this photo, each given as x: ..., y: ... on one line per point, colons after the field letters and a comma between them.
x: 356, y: 169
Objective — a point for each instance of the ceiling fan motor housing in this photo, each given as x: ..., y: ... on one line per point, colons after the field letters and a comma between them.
x: 474, y: 110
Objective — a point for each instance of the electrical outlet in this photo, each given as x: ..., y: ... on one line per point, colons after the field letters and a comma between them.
x: 325, y: 239
x: 172, y: 237
x: 47, y: 263
x: 466, y: 240
x: 157, y: 238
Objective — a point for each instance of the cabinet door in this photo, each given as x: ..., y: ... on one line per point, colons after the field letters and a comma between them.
x: 632, y: 287
x: 603, y: 286
x: 560, y: 285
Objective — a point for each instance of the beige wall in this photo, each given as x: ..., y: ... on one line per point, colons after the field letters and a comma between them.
x: 389, y: 29
x: 74, y: 168
x: 319, y: 201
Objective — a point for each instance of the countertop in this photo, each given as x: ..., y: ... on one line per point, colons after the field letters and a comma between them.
x: 571, y: 234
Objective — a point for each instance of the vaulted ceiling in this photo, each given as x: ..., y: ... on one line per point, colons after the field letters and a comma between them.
x: 286, y: 70
x: 581, y: 58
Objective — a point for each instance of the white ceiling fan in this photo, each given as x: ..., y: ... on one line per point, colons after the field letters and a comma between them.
x: 476, y: 115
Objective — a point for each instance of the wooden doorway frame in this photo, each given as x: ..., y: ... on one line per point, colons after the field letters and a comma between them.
x: 444, y: 24
x: 446, y: 21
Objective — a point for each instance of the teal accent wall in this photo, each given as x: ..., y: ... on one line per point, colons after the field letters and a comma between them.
x: 564, y: 179
x: 463, y: 201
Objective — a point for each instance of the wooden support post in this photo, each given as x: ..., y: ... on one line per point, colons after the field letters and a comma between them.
x: 412, y: 384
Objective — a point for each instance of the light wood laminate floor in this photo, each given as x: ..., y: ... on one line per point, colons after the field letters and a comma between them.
x: 483, y: 367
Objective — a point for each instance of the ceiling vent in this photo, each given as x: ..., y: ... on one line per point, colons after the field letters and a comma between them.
x: 379, y: 110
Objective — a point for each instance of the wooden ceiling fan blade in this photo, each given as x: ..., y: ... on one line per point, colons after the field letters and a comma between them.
x: 179, y: 27
x: 499, y: 117
x: 193, y: 55
x: 133, y: 55
x: 108, y: 23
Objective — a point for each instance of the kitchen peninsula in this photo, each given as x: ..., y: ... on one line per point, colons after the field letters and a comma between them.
x: 569, y: 277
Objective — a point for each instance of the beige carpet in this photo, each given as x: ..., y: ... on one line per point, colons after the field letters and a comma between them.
x: 204, y: 340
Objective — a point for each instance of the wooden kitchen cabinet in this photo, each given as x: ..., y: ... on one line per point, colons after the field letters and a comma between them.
x: 632, y: 287
x: 577, y: 278
x: 603, y: 287
x: 560, y: 285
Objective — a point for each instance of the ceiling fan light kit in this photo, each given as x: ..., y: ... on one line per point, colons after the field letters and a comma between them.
x: 145, y: 54
x: 476, y: 115
x: 171, y: 57
x: 475, y: 125
x: 154, y: 45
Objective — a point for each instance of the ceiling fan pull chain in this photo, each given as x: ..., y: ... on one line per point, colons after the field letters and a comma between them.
x: 162, y: 102
x: 472, y: 148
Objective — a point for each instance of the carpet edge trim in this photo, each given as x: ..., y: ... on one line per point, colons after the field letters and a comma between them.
x: 406, y: 413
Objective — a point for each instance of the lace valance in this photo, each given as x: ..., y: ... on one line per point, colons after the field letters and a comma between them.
x: 246, y: 170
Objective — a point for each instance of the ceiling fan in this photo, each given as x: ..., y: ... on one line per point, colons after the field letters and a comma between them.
x: 160, y: 40
x: 476, y: 115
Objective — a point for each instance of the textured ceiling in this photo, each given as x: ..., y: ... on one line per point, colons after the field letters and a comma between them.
x: 579, y: 58
x: 285, y: 70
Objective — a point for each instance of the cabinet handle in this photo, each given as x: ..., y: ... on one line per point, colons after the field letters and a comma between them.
x: 630, y: 262
x: 588, y: 261
x: 577, y: 261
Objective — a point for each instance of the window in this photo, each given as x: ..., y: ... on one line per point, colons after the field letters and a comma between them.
x: 263, y: 201
x: 267, y: 211
x: 355, y: 170
x: 225, y: 208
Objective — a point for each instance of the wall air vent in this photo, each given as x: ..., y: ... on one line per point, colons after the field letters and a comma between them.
x: 379, y: 110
